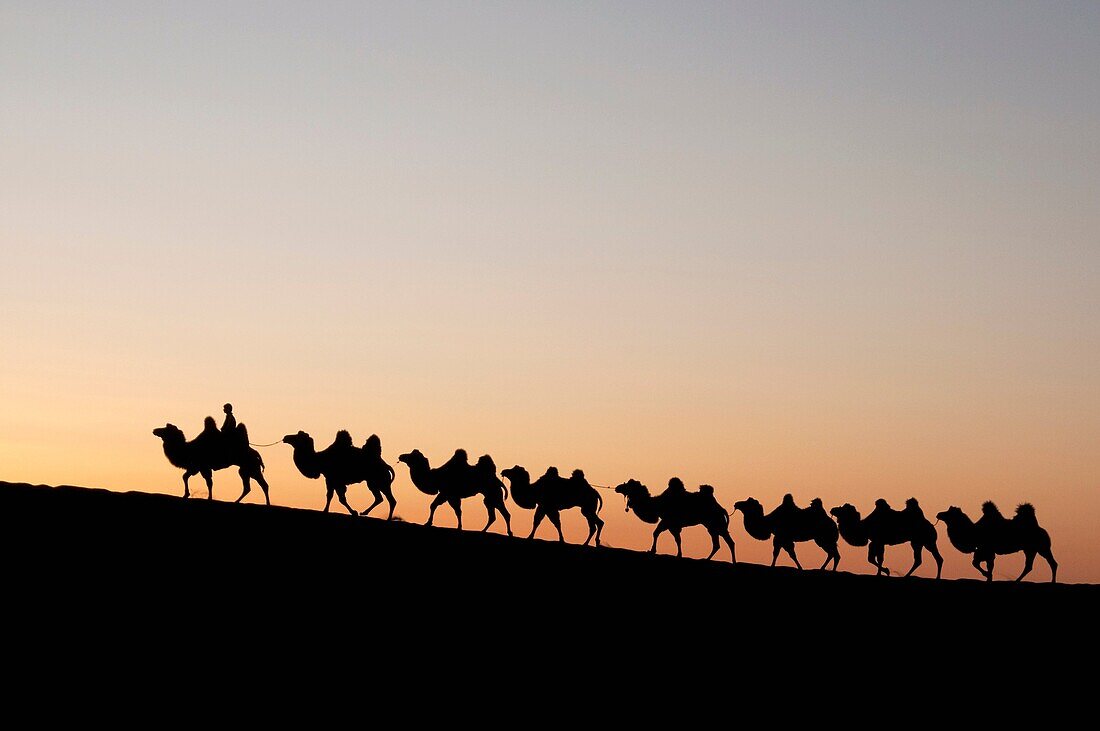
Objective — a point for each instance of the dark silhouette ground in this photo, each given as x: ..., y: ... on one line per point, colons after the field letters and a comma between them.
x: 88, y: 564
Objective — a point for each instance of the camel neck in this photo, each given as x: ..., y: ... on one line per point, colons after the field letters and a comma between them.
x: 305, y: 459
x: 853, y: 531
x: 524, y: 493
x: 421, y: 475
x: 176, y: 450
x: 961, y: 535
x: 756, y: 525
x: 646, y: 508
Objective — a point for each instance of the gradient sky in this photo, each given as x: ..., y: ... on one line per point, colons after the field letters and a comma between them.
x: 843, y: 250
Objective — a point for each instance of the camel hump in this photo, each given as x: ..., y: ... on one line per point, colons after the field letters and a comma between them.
x: 1025, y: 513
x: 990, y: 508
x: 706, y: 490
x: 242, y: 432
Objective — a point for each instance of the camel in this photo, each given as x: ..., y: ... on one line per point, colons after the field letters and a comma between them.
x: 888, y: 527
x: 552, y: 493
x: 209, y: 452
x: 788, y: 524
x: 995, y: 535
x: 452, y: 482
x: 341, y: 464
x: 675, y: 509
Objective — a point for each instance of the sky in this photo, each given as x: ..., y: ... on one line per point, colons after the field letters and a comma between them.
x: 847, y: 250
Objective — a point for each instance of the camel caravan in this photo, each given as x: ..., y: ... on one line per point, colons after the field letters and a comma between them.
x: 342, y: 464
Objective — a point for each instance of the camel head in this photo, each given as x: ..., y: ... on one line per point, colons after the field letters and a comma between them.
x: 516, y: 474
x: 632, y: 490
x: 748, y: 506
x: 169, y: 433
x: 845, y: 512
x: 414, y: 458
x: 952, y: 515
x: 301, y: 439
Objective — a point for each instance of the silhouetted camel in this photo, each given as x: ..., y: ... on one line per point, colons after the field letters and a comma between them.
x: 452, y: 482
x: 675, y: 509
x: 888, y: 527
x: 994, y: 534
x: 789, y: 524
x: 341, y: 464
x: 208, y: 453
x: 552, y: 493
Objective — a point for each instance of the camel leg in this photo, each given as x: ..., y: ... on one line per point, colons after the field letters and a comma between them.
x: 456, y: 505
x: 679, y: 547
x: 789, y: 548
x: 539, y: 514
x: 243, y: 472
x: 492, y: 511
x: 342, y: 496
x: 977, y: 563
x: 391, y: 500
x: 507, y: 516
x: 776, y: 548
x: 871, y: 558
x: 555, y: 518
x: 1048, y: 556
x: 594, y: 526
x: 186, y: 476
x: 439, y: 500
x: 1029, y: 561
x: 599, y: 528
x: 376, y: 503
x: 258, y: 476
x: 918, y: 558
x: 835, y: 552
x: 208, y: 475
x: 729, y: 542
x: 877, y: 556
x: 661, y: 528
x: 935, y: 551
x: 713, y: 545
x: 830, y: 552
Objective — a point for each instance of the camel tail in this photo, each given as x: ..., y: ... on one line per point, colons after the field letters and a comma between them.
x: 242, y: 434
